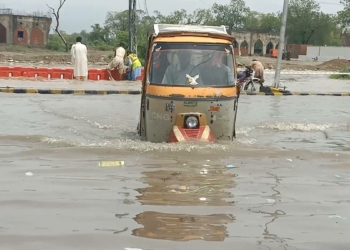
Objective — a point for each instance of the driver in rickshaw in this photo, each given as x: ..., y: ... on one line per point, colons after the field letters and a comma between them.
x: 215, y: 71
x: 184, y: 72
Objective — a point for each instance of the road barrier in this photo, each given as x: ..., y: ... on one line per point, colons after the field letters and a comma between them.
x: 68, y: 91
x: 57, y: 73
x: 102, y: 74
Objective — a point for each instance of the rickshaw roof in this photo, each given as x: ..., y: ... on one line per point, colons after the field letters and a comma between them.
x: 158, y: 29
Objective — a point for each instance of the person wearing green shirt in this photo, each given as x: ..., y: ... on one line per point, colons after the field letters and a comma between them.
x: 135, y: 67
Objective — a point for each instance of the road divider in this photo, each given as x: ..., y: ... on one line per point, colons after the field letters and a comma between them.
x: 293, y: 94
x: 138, y: 92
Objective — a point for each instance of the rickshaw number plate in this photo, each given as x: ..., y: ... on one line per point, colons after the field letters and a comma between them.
x: 190, y: 104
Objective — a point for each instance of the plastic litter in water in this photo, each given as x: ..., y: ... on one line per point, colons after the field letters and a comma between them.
x: 29, y: 174
x: 271, y: 201
x: 338, y: 176
x: 336, y: 216
x: 203, y: 199
x: 204, y: 171
x: 230, y: 166
x: 111, y: 163
x: 289, y: 160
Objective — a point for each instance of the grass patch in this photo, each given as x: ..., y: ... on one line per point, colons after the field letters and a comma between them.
x: 341, y: 76
x: 15, y: 48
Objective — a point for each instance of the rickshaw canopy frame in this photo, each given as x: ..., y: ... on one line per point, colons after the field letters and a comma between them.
x: 195, y: 30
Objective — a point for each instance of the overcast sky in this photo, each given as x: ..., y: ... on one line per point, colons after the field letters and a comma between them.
x: 77, y: 15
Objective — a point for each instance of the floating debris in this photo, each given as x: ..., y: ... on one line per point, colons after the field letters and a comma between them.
x: 111, y: 163
x: 230, y: 166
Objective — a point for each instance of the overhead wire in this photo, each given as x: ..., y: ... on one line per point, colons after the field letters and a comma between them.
x: 146, y: 9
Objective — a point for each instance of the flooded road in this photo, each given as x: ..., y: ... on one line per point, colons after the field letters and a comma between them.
x: 283, y: 184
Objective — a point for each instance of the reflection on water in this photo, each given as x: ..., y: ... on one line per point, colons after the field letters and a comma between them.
x: 181, y: 227
x: 190, y: 187
x: 195, y: 187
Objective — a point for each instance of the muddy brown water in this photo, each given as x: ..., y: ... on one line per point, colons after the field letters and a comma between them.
x: 288, y: 187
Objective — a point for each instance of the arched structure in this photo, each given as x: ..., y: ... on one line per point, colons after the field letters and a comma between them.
x: 236, y: 47
x: 3, y: 34
x: 250, y: 38
x: 244, y: 48
x: 258, y: 47
x: 20, y: 36
x: 269, y: 47
x: 37, y: 36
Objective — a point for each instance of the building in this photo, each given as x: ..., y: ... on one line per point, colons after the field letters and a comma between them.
x: 24, y: 29
x: 254, y: 43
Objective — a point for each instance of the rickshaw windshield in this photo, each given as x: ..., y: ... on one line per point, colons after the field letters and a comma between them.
x: 192, y: 65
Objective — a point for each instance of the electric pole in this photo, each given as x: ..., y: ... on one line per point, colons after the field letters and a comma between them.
x: 281, y: 44
x: 132, y: 26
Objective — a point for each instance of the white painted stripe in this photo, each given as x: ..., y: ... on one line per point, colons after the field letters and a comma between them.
x: 206, y: 133
x: 307, y: 72
x: 178, y: 134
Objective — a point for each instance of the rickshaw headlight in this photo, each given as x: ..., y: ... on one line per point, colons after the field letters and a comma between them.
x: 192, y: 122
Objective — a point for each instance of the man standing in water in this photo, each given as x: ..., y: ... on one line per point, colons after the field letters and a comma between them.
x: 118, y: 61
x: 79, y: 60
x: 258, y: 70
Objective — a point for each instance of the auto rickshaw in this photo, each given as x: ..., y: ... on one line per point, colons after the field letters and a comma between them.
x: 189, y: 90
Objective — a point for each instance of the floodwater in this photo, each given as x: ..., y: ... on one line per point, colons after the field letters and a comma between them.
x: 287, y: 187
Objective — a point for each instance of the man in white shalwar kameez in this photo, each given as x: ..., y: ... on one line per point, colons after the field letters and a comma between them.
x: 79, y: 60
x: 118, y: 61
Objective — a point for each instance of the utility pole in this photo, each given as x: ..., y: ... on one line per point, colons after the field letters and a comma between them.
x: 281, y: 44
x: 132, y: 26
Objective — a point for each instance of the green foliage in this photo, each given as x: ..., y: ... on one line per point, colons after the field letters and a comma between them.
x: 15, y: 48
x: 306, y: 25
x: 340, y: 76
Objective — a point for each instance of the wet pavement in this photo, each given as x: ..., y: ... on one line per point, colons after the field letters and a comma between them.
x: 283, y: 184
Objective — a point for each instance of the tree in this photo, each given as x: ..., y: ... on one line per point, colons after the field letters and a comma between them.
x: 232, y: 15
x: 270, y: 23
x: 306, y: 21
x: 306, y: 24
x: 56, y: 14
x: 201, y: 17
x: 344, y: 16
x: 264, y: 23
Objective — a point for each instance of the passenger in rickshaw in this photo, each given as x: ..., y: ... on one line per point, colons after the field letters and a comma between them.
x: 184, y: 72
x: 215, y: 70
x: 219, y: 72
x: 160, y: 65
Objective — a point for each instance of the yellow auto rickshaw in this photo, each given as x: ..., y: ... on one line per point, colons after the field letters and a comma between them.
x: 189, y: 89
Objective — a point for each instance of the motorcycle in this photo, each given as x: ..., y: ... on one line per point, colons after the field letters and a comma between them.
x: 248, y: 82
